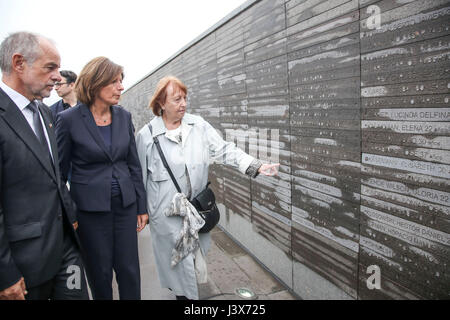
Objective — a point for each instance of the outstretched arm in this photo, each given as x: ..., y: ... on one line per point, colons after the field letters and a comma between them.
x: 228, y: 153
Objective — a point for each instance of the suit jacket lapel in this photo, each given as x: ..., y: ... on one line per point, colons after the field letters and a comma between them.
x: 89, y: 121
x: 116, y: 130
x: 14, y: 117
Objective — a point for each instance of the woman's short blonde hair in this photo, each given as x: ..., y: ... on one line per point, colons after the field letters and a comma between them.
x: 96, y: 74
x: 160, y: 95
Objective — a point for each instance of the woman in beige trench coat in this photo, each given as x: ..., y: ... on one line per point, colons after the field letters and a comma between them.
x: 189, y: 144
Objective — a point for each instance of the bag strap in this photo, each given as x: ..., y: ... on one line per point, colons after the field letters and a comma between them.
x: 163, y: 158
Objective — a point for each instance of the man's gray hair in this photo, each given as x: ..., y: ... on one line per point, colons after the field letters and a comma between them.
x: 24, y: 43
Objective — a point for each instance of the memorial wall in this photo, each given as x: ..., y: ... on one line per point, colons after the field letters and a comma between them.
x: 352, y: 98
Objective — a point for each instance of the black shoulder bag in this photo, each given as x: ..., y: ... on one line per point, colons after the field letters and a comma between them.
x: 204, y: 202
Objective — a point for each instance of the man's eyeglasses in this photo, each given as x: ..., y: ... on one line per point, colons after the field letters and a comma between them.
x: 59, y: 84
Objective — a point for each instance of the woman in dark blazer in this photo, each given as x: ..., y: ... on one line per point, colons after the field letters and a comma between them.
x: 96, y: 142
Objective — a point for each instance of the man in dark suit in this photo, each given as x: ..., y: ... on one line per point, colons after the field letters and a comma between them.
x: 66, y: 90
x: 39, y: 248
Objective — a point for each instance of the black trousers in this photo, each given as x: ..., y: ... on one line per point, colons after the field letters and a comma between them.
x: 109, y: 240
x: 69, y: 283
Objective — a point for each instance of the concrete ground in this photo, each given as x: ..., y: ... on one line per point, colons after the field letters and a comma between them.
x: 229, y: 268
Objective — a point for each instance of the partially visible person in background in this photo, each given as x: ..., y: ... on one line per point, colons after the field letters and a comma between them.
x: 66, y: 90
x: 39, y: 248
x: 96, y: 140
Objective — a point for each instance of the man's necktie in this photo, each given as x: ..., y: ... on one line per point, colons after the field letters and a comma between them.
x: 39, y: 130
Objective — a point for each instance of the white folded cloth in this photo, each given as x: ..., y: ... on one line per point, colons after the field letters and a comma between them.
x: 187, y: 241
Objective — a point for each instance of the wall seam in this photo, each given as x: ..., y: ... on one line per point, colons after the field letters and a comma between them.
x: 360, y: 157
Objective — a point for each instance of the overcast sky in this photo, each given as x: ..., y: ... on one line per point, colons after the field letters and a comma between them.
x: 137, y: 34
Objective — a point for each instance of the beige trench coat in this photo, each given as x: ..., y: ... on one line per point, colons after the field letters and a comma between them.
x: 202, y: 146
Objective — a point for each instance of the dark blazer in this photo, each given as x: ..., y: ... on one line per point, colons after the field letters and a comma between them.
x: 56, y: 108
x: 93, y: 166
x: 34, y: 202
